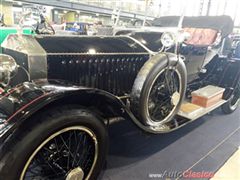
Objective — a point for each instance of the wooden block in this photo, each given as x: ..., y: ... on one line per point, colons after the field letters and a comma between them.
x: 207, y: 96
x: 190, y: 109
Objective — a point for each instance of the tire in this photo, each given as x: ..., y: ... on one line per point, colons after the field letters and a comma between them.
x: 232, y: 104
x: 60, y: 124
x: 237, y: 51
x: 144, y: 83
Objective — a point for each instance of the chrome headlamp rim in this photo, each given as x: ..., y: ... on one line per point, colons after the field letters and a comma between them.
x: 168, y: 39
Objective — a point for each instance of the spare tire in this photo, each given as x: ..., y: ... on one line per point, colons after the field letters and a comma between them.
x: 159, y: 89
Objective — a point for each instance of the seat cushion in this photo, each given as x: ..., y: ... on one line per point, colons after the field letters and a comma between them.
x: 201, y: 36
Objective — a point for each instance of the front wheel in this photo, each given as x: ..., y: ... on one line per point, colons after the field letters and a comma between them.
x: 159, y: 89
x: 63, y: 143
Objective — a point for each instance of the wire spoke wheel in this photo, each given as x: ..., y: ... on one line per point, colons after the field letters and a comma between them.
x: 164, y: 95
x: 158, y: 91
x: 235, y: 100
x: 69, y: 154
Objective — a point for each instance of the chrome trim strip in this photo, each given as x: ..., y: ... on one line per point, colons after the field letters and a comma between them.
x: 138, y: 42
x: 93, y: 54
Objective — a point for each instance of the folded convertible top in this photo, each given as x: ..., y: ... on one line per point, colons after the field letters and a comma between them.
x: 221, y: 23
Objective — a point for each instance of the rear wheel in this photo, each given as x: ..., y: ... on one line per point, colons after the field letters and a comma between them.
x: 63, y: 143
x: 231, y: 105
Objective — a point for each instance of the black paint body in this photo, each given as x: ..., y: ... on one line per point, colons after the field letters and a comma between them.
x: 102, y: 68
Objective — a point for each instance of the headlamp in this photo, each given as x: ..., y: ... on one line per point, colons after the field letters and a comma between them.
x: 168, y: 39
x: 8, y: 67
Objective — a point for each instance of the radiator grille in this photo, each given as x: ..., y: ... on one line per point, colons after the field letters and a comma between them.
x: 112, y: 73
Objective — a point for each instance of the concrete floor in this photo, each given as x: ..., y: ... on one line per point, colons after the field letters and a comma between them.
x: 204, y: 145
x: 231, y: 169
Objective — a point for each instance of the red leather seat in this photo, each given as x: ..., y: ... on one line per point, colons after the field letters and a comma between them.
x: 201, y: 36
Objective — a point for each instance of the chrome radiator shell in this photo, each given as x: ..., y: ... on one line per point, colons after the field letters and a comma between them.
x: 28, y: 53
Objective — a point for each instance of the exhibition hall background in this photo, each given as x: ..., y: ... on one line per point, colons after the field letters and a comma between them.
x: 91, y: 11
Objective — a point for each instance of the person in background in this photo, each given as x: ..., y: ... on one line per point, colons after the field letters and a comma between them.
x: 2, y: 20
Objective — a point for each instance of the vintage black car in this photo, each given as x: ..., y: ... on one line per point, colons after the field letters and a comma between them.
x: 59, y: 93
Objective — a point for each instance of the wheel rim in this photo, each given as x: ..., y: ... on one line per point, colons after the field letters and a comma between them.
x: 163, y: 96
x: 234, y: 102
x: 70, y: 153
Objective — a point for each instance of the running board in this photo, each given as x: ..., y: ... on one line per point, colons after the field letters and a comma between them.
x: 200, y: 111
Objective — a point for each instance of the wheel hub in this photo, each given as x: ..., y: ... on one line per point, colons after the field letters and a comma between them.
x: 175, y: 98
x: 75, y: 174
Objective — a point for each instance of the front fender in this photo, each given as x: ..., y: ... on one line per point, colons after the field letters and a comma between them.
x: 22, y: 101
